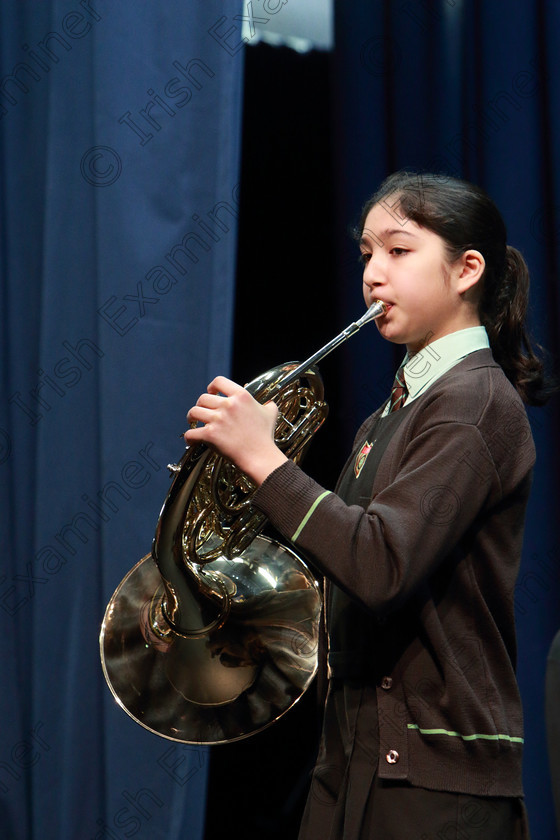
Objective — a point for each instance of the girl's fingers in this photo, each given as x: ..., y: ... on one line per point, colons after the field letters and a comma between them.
x: 223, y: 385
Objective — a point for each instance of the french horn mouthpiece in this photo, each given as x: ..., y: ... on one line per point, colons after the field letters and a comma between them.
x: 376, y: 309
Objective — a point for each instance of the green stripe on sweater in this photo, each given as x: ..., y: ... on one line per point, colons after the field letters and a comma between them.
x: 512, y: 738
x: 308, y: 515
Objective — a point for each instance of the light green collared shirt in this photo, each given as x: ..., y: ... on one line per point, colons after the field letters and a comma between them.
x: 423, y: 368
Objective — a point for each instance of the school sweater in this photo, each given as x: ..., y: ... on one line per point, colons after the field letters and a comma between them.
x: 433, y: 558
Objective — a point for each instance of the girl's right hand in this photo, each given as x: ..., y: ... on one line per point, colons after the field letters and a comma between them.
x: 238, y: 427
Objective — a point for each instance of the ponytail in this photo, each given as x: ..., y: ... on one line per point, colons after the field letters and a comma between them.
x: 503, y: 308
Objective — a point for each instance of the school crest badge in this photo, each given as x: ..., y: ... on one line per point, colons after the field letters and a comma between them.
x: 361, y: 458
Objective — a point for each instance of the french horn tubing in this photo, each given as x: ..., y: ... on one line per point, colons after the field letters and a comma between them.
x: 213, y: 636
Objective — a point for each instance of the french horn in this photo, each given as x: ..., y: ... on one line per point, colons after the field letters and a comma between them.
x: 213, y: 636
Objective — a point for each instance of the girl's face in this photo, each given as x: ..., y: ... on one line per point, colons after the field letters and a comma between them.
x: 405, y: 266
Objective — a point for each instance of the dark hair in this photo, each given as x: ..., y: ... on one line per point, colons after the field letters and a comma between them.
x: 465, y: 217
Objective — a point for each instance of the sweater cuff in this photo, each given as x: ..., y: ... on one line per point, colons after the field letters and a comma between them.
x: 288, y: 497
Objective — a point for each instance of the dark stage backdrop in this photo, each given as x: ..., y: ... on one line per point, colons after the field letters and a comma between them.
x: 119, y: 156
x: 460, y: 88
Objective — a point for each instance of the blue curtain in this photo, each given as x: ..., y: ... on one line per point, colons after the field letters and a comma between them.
x: 119, y: 192
x: 467, y: 88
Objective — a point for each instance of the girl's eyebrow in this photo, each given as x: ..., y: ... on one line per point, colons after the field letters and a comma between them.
x: 368, y: 235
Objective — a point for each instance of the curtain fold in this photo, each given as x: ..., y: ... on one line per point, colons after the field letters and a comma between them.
x: 120, y: 134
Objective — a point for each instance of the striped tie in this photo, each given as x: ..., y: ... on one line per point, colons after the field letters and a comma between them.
x: 399, y: 392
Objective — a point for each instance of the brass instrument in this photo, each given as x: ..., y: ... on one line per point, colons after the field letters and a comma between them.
x: 213, y: 636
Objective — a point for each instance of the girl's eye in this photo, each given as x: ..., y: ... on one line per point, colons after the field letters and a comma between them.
x: 398, y: 252
x: 365, y: 257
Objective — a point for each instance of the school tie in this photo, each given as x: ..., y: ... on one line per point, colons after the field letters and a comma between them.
x: 399, y: 392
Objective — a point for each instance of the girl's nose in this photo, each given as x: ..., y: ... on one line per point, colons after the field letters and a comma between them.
x: 372, y: 273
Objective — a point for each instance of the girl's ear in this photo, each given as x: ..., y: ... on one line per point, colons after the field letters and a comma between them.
x: 471, y: 266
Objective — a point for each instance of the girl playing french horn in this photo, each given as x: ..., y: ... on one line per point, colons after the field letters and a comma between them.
x: 420, y: 543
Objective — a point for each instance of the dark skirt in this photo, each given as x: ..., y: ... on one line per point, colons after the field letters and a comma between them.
x: 348, y: 801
